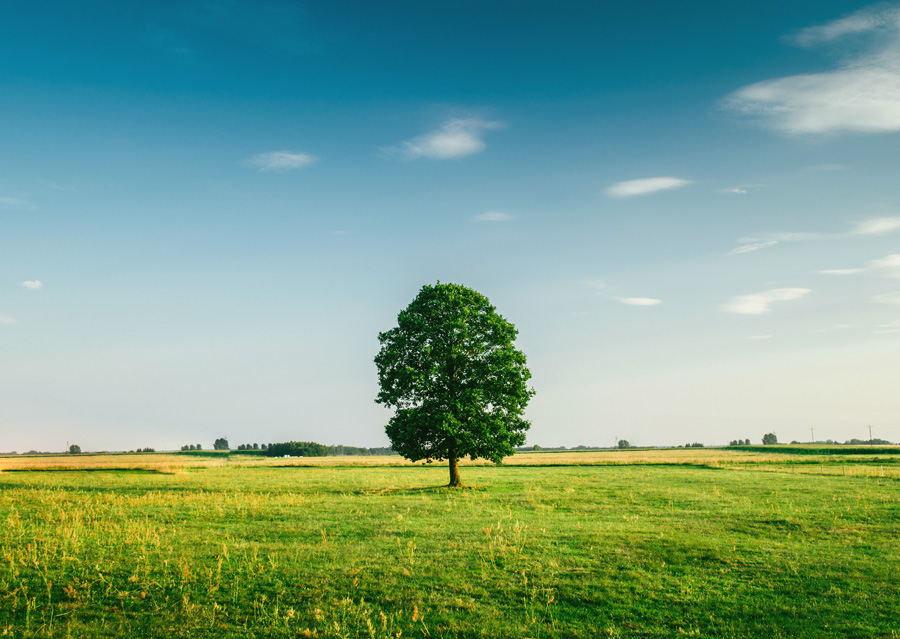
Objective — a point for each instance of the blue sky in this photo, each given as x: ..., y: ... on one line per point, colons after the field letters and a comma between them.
x: 209, y: 209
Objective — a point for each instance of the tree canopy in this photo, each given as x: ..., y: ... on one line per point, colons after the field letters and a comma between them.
x: 457, y: 382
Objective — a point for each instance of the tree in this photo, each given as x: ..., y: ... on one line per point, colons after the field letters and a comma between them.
x: 297, y: 449
x: 220, y: 444
x: 74, y: 449
x: 458, y: 384
x: 624, y: 443
x: 769, y: 438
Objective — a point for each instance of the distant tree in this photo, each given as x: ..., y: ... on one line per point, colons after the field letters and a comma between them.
x: 624, y: 443
x: 263, y: 446
x: 199, y: 447
x: 455, y: 378
x: 536, y: 448
x: 769, y: 439
x: 220, y: 444
x: 74, y: 449
x: 297, y: 449
x: 255, y: 446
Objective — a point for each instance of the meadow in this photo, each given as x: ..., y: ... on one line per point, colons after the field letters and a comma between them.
x: 657, y: 543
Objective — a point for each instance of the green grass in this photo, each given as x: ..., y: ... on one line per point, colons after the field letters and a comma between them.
x: 633, y: 550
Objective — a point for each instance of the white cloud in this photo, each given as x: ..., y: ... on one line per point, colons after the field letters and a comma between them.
x: 888, y: 266
x: 828, y: 329
x: 639, y: 301
x: 493, y: 216
x: 5, y: 319
x: 887, y: 298
x: 17, y: 203
x: 758, y: 303
x: 33, y: 285
x: 890, y: 327
x: 842, y: 271
x: 280, y: 161
x: 862, y: 94
x: 734, y: 191
x: 456, y: 139
x: 877, y: 226
x: 754, y: 246
x: 865, y: 20
x: 596, y: 284
x: 643, y: 186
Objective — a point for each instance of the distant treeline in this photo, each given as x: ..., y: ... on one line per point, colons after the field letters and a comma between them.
x: 296, y: 449
x: 527, y: 449
x: 839, y: 449
x: 341, y: 450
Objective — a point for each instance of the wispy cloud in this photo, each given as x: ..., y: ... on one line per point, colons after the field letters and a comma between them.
x: 887, y: 266
x: 842, y: 271
x: 862, y: 94
x: 17, y: 203
x: 759, y: 303
x: 33, y: 285
x: 829, y: 329
x: 734, y: 191
x: 751, y: 246
x: 890, y: 327
x: 876, y: 226
x: 596, y: 284
x: 5, y: 319
x: 887, y: 298
x: 639, y: 301
x: 644, y: 186
x: 455, y: 139
x: 281, y: 161
x: 761, y: 337
x: 493, y: 216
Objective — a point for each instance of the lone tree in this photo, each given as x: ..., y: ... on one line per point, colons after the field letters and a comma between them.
x: 769, y: 439
x: 457, y: 382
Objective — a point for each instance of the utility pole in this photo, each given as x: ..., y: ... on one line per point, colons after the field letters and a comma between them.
x: 812, y: 434
x: 870, y: 432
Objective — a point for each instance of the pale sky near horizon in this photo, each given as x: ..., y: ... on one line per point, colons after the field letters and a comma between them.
x: 210, y: 208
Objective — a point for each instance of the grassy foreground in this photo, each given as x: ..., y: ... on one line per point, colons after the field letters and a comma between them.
x: 643, y: 544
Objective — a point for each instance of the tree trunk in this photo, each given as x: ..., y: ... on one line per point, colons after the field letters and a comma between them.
x: 455, y: 481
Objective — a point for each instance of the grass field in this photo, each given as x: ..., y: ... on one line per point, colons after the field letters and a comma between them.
x: 695, y: 542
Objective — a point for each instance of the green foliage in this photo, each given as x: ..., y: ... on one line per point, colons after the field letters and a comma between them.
x: 296, y: 449
x: 624, y: 443
x: 769, y: 439
x: 451, y: 371
x: 340, y: 450
x: 220, y: 444
x: 74, y: 449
